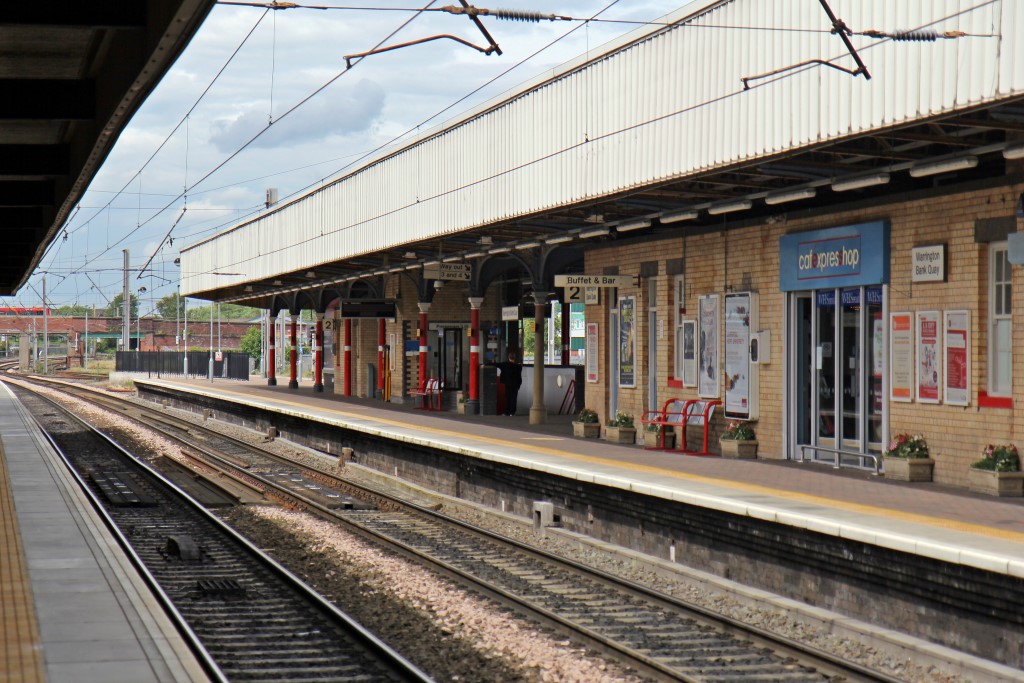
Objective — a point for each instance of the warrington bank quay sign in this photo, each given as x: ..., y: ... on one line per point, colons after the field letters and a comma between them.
x: 836, y: 257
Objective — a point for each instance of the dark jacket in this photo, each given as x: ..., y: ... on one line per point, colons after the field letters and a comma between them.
x: 511, y: 373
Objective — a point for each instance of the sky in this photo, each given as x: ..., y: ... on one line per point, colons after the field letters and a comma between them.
x: 176, y: 175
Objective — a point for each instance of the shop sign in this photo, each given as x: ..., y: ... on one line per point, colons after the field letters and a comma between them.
x: 928, y: 263
x: 836, y: 257
x: 582, y: 281
x: 957, y: 366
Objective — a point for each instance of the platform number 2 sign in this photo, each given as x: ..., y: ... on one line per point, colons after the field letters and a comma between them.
x: 581, y: 295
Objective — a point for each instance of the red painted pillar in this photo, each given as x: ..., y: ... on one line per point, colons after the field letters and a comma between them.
x: 380, y: 355
x: 348, y: 357
x: 272, y: 353
x: 293, y: 353
x: 472, y: 405
x: 565, y: 334
x: 318, y: 355
x: 424, y: 309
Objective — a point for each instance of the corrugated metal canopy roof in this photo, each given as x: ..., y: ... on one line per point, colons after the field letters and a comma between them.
x: 806, y: 137
x: 72, y: 74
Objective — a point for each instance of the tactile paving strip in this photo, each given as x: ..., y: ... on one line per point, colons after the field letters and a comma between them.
x: 20, y: 655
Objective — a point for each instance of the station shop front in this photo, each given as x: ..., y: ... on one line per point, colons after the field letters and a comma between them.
x: 835, y: 282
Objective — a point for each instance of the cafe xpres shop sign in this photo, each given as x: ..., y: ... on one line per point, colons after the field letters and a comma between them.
x: 848, y: 256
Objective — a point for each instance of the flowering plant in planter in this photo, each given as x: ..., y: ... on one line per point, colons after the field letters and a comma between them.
x: 907, y: 446
x: 1001, y: 458
x: 738, y: 431
x: 621, y: 419
x: 586, y: 416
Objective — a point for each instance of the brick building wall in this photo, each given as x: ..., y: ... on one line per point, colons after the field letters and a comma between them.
x: 747, y: 259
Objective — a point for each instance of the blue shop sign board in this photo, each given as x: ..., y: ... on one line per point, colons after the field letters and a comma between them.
x: 849, y: 256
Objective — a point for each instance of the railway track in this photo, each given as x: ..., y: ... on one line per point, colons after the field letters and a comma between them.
x: 660, y: 636
x: 247, y: 617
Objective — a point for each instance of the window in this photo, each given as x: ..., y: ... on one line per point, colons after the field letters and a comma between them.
x: 1000, y: 337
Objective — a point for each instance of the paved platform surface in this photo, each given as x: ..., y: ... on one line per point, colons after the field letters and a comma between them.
x: 928, y: 519
x: 73, y: 608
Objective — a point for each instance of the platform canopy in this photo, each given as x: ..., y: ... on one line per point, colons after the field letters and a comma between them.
x: 72, y: 74
x: 740, y: 110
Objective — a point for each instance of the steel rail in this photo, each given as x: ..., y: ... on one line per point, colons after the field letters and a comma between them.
x: 824, y: 662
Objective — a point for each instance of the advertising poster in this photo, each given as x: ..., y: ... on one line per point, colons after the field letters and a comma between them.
x: 591, y: 352
x: 627, y: 341
x: 929, y: 357
x: 707, y: 347
x: 737, y: 363
x: 689, y: 353
x: 957, y: 325
x: 901, y: 357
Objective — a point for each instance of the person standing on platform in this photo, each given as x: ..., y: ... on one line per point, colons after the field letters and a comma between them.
x: 512, y: 378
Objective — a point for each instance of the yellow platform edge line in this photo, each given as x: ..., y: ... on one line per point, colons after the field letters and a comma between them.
x: 912, y: 517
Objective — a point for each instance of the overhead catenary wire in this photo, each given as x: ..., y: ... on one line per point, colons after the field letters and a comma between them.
x: 420, y: 200
x: 253, y: 139
x: 534, y: 16
x: 433, y: 116
x: 371, y: 153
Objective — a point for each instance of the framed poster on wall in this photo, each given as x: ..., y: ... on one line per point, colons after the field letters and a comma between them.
x: 901, y: 357
x: 689, y: 352
x: 627, y: 341
x: 957, y: 359
x: 929, y: 357
x: 592, y: 352
x: 707, y: 347
x: 740, y: 376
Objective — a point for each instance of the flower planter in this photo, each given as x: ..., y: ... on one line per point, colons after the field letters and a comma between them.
x: 908, y: 469
x: 588, y: 430
x: 738, y: 448
x: 732, y: 447
x: 621, y: 434
x: 651, y: 440
x: 992, y: 483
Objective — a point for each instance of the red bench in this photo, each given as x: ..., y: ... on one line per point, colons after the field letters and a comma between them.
x: 677, y: 412
x: 429, y: 395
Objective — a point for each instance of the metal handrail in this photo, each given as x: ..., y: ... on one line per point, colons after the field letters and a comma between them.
x: 837, y: 452
x: 569, y: 399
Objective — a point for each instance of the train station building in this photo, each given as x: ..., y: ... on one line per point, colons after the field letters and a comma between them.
x: 816, y: 228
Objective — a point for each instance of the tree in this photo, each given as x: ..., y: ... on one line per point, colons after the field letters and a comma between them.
x: 116, y: 309
x: 171, y: 307
x: 252, y: 342
x: 74, y: 311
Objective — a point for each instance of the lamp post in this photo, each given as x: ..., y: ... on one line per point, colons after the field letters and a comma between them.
x: 138, y: 322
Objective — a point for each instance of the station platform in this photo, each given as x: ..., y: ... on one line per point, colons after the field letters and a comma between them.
x: 73, y: 607
x: 943, y: 523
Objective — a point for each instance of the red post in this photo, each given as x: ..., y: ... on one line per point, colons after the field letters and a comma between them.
x: 380, y: 355
x: 348, y: 357
x: 318, y: 354
x: 474, y: 354
x: 565, y: 334
x: 272, y: 353
x: 293, y: 354
x: 424, y: 309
